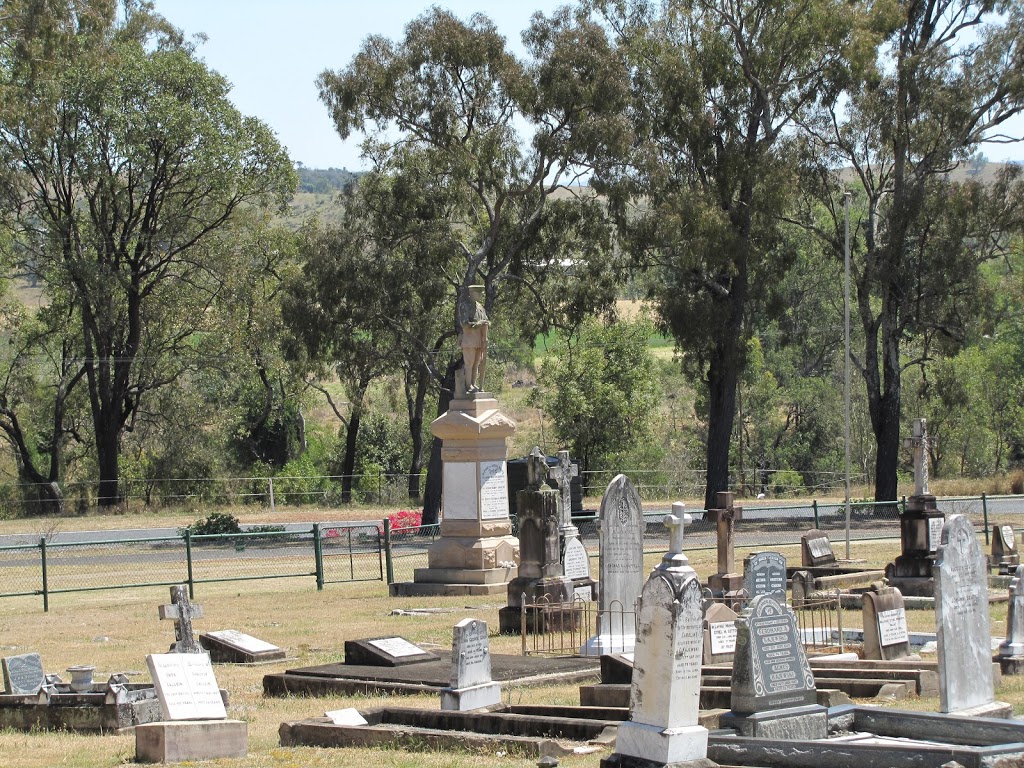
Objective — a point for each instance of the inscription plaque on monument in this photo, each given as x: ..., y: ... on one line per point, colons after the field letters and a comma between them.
x: 723, y: 637
x: 935, y: 532
x: 576, y: 561
x: 1009, y: 541
x: 493, y: 490
x: 892, y: 627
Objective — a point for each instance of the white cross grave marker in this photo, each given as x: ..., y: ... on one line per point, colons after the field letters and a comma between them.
x: 920, y: 443
x: 676, y: 524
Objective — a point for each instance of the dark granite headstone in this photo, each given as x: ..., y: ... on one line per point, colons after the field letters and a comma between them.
x: 385, y: 652
x: 23, y: 674
x: 764, y: 573
x: 771, y: 669
x: 229, y: 646
x: 816, y: 549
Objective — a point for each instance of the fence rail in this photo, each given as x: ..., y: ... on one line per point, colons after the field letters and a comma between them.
x: 341, y: 552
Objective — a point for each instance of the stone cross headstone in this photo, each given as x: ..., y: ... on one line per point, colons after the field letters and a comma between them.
x: 621, y: 569
x: 920, y: 444
x: 563, y: 474
x: 470, y: 683
x: 23, y: 674
x: 186, y: 686
x: 663, y: 727
x: 885, y: 624
x: 725, y: 518
x: 764, y: 573
x: 182, y: 611
x: 676, y: 524
x: 1014, y: 643
x: 962, y: 619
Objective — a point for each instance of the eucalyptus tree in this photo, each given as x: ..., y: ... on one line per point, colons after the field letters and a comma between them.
x: 945, y: 77
x: 127, y: 156
x: 491, y: 145
x: 719, y: 87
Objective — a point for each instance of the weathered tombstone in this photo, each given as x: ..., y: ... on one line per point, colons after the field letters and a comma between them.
x: 726, y: 581
x: 885, y: 624
x: 1011, y: 650
x: 719, y: 634
x: 575, y: 558
x: 229, y: 646
x: 773, y: 691
x: 195, y: 723
x: 385, y: 652
x: 764, y: 573
x: 471, y: 686
x: 540, y: 580
x: 621, y: 568
x: 816, y: 549
x: 182, y: 611
x: 663, y: 728
x: 920, y: 526
x: 1005, y: 555
x: 962, y: 623
x: 576, y: 564
x: 23, y: 674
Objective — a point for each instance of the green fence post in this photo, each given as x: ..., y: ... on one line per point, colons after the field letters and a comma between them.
x: 46, y: 589
x: 188, y: 563
x: 318, y: 557
x: 814, y: 506
x: 984, y: 509
x: 388, y: 561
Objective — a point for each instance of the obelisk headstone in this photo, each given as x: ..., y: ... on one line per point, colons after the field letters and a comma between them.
x: 621, y: 568
x: 962, y: 623
x: 1011, y: 650
x: 663, y: 727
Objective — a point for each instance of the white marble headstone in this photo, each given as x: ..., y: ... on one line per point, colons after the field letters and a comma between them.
x: 471, y: 657
x: 186, y: 686
x: 1014, y: 643
x: 962, y: 619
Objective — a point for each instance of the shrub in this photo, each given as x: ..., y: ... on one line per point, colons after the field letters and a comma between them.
x: 214, y: 523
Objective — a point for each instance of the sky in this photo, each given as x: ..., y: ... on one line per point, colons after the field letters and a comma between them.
x: 273, y: 51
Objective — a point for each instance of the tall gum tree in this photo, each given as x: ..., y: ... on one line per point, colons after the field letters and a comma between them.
x: 718, y: 89
x: 495, y: 144
x: 126, y: 157
x: 945, y: 77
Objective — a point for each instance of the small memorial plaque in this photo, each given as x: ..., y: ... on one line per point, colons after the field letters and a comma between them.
x: 1009, y: 541
x: 892, y: 627
x: 576, y: 561
x: 820, y: 547
x: 935, y: 532
x: 23, y: 674
x: 349, y: 716
x: 229, y: 646
x: 385, y: 652
x: 243, y: 641
x: 493, y: 490
x: 723, y: 637
x: 186, y: 686
x: 397, y: 646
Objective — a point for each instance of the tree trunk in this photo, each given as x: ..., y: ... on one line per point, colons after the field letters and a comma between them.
x: 433, y: 487
x: 108, y: 493
x: 722, y: 377
x: 415, y: 401
x: 348, y: 465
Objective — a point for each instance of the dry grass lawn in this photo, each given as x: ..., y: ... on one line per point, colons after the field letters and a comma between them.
x: 116, y: 629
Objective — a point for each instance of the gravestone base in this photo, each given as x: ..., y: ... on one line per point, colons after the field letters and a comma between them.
x: 180, y: 741
x: 628, y: 761
x: 806, y: 723
x: 455, y: 581
x: 599, y: 645
x: 555, y: 612
x: 997, y: 709
x: 1011, y: 665
x: 662, y: 746
x: 473, y: 697
x: 721, y: 584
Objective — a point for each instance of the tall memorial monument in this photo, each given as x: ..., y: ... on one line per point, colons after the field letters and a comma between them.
x: 920, y: 526
x: 476, y: 553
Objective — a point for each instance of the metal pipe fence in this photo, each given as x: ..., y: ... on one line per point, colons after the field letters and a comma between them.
x: 341, y: 552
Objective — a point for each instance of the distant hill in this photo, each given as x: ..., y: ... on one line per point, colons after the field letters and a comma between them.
x: 321, y: 181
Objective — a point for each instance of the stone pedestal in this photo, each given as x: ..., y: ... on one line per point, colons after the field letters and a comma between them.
x: 920, y: 532
x: 181, y: 741
x: 476, y: 553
